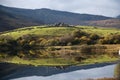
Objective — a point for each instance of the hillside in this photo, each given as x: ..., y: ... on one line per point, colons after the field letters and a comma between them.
x: 9, y: 21
x: 58, y: 31
x: 104, y: 23
x: 12, y: 18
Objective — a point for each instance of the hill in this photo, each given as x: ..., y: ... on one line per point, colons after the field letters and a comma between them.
x: 9, y: 20
x: 115, y: 23
x: 41, y: 45
x: 12, y: 18
x: 58, y: 31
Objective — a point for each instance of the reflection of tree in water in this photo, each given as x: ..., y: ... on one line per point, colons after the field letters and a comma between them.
x: 61, y: 67
x: 117, y: 71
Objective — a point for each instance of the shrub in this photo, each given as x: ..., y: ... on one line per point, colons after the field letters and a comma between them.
x: 94, y: 36
x: 85, y: 40
x: 78, y: 33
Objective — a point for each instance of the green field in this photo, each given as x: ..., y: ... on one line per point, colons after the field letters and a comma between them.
x: 58, y: 31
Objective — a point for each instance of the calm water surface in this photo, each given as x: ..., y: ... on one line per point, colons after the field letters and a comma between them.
x: 62, y: 73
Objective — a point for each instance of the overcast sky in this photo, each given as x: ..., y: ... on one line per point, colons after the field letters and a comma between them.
x: 97, y: 7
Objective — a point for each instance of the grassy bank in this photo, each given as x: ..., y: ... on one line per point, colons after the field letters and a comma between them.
x: 59, y: 61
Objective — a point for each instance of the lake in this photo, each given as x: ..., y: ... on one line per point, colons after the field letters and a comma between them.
x: 23, y: 72
x: 57, y: 64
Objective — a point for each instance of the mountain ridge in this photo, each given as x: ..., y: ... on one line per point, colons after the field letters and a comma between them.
x: 17, y: 17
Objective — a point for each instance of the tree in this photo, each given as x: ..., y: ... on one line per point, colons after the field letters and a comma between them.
x: 94, y: 36
x: 78, y: 33
x: 112, y: 39
x: 76, y: 41
x: 84, y: 40
x: 27, y: 41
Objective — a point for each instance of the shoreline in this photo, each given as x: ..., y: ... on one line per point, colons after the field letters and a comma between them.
x: 58, y: 70
x: 73, y: 64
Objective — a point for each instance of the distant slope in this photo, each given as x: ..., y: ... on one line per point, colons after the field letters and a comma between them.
x: 54, y: 16
x: 9, y: 21
x: 11, y: 18
x: 104, y: 23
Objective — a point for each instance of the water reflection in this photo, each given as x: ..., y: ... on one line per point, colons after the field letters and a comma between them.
x: 23, y: 72
x: 76, y: 75
x: 46, y: 57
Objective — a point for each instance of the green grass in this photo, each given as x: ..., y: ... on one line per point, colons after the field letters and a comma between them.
x: 100, y: 30
x: 41, y: 62
x: 59, y: 61
x: 58, y: 31
x: 100, y: 59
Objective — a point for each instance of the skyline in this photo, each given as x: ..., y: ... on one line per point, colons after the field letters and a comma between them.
x: 108, y: 8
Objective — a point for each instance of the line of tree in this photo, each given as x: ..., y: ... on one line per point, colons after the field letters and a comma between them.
x: 77, y: 37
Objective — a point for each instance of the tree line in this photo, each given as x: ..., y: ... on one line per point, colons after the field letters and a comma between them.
x: 77, y: 37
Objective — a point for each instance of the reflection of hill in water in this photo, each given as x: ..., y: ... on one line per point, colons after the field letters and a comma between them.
x: 10, y: 71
